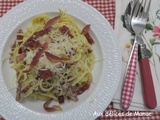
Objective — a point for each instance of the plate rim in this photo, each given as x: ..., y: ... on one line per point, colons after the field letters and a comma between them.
x: 89, y: 8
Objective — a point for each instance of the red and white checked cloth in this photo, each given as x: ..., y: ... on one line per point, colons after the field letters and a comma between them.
x: 107, y: 8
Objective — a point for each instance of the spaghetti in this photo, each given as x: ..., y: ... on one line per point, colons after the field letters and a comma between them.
x: 53, y: 59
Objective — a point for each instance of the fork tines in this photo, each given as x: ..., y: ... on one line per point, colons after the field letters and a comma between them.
x: 141, y: 8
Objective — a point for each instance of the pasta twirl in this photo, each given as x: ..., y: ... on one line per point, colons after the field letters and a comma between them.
x: 53, y: 59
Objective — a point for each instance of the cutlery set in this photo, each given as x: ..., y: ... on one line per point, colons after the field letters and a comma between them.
x: 135, y: 18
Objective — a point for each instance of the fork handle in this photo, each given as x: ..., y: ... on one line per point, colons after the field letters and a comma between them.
x: 128, y: 86
x: 147, y: 81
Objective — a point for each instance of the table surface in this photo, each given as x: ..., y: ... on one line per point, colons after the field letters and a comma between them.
x: 107, y: 8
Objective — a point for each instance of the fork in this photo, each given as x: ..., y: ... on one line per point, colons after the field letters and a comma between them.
x: 138, y: 23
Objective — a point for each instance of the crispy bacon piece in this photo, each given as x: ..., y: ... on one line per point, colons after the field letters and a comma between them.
x: 89, y: 51
x: 53, y: 108
x: 39, y: 53
x: 20, y: 51
x: 64, y: 29
x: 26, y: 88
x: 89, y: 38
x: 41, y: 33
x: 45, y: 74
x: 32, y: 44
x: 54, y: 58
x: 18, y: 92
x: 61, y: 99
x: 71, y: 94
x: 44, y: 31
x: 13, y: 46
x: 70, y: 35
x: 85, y: 29
x: 83, y: 89
x: 51, y: 22
x: 87, y: 35
x: 21, y: 57
x: 19, y: 36
x: 69, y: 91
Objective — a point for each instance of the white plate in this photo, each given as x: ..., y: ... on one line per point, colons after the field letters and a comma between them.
x: 106, y: 72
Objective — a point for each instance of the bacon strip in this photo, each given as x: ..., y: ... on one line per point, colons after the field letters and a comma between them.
x: 71, y: 94
x: 39, y: 53
x: 13, y: 46
x: 64, y: 29
x: 54, y: 58
x: 87, y: 35
x: 83, y: 89
x: 31, y: 40
x: 85, y: 29
x: 89, y: 38
x: 20, y: 51
x: 21, y: 57
x: 51, y: 22
x: 26, y: 88
x: 53, y: 108
x: 19, y: 37
x: 18, y: 92
x: 31, y: 43
x: 61, y: 99
x: 40, y: 33
x: 19, y: 34
x: 45, y: 74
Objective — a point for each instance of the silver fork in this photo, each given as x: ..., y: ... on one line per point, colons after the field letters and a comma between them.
x: 138, y: 23
x: 140, y: 16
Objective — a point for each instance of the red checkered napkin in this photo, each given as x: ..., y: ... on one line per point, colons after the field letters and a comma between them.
x: 105, y: 7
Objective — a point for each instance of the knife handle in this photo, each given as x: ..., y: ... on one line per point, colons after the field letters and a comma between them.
x: 147, y: 81
x: 128, y: 86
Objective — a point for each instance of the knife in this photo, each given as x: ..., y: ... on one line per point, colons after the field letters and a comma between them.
x: 146, y: 76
